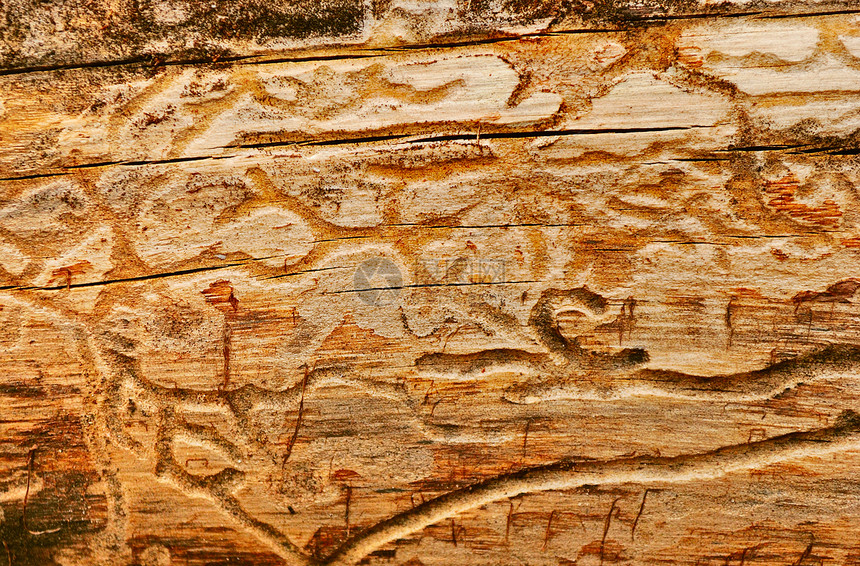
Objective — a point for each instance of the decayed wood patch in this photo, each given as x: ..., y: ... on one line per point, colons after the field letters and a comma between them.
x: 99, y: 33
x: 523, y: 295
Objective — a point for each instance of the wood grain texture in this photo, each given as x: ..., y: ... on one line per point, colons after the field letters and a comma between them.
x: 430, y: 283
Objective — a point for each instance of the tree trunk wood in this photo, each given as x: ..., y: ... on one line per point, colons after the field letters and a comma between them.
x: 480, y: 282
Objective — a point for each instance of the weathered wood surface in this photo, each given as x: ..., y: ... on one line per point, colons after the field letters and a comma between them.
x: 555, y: 289
x: 49, y: 35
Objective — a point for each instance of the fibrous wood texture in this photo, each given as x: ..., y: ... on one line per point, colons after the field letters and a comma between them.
x: 406, y: 282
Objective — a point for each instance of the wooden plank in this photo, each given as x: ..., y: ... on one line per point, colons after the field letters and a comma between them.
x: 568, y: 298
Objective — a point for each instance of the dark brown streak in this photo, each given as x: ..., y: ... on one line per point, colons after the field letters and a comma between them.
x: 429, y: 391
x: 806, y: 554
x: 228, y: 337
x: 295, y: 435
x: 639, y: 514
x: 456, y: 531
x: 526, y: 439
x: 548, y: 532
x: 606, y: 524
x: 31, y: 457
x: 730, y: 308
x: 509, y: 521
x: 433, y: 408
x: 346, y: 511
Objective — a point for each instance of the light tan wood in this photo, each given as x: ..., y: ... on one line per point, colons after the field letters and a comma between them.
x: 535, y: 288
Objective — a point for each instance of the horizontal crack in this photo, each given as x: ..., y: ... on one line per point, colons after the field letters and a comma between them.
x: 752, y: 148
x: 481, y: 226
x: 123, y: 280
x: 66, y: 169
x: 822, y: 13
x: 424, y: 138
x: 422, y: 285
x: 406, y: 138
x: 155, y: 60
x: 162, y: 275
x: 161, y: 59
